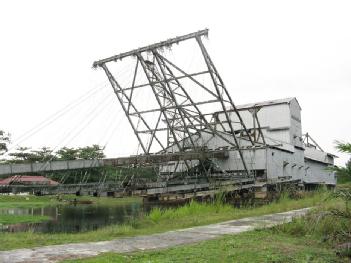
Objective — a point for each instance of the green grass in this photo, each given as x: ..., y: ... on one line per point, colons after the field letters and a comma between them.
x: 205, y: 213
x: 313, y: 238
x: 330, y: 223
x: 255, y: 246
x: 15, y: 219
x: 17, y: 201
x: 344, y: 179
x: 346, y: 185
x: 193, y: 214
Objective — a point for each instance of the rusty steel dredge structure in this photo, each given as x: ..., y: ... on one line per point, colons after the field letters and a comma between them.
x: 174, y: 114
x: 192, y: 134
x: 177, y: 121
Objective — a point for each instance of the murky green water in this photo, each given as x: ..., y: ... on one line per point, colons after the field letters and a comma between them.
x: 77, y: 218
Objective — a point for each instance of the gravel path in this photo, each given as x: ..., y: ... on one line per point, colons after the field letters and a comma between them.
x: 57, y: 253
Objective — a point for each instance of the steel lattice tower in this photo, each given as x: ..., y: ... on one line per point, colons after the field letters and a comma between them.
x: 177, y: 120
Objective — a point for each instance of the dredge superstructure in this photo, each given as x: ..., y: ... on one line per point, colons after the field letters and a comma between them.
x: 194, y: 136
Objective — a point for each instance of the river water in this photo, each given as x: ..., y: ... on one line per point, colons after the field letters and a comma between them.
x: 77, y: 218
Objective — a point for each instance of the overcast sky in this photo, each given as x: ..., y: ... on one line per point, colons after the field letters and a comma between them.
x: 263, y: 49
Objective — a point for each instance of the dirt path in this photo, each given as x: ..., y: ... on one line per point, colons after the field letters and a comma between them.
x: 57, y: 253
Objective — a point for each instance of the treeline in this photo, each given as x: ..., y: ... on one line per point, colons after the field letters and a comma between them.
x: 44, y: 154
x: 87, y: 175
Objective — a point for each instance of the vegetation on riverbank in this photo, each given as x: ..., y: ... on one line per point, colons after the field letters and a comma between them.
x: 248, y: 247
x: 23, y: 201
x: 323, y: 235
x: 192, y: 214
x: 343, y: 173
x: 16, y: 219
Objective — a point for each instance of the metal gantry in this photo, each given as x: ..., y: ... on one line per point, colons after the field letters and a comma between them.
x: 309, y: 141
x: 177, y: 120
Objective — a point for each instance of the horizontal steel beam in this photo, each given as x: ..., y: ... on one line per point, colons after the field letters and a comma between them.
x: 166, y: 157
x: 23, y: 168
x: 173, y: 107
x: 224, y: 186
x: 177, y: 128
x: 176, y: 188
x: 163, y: 81
x: 166, y: 43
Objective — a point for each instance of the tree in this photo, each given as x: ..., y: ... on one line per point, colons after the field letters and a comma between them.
x: 91, y: 152
x: 4, y: 141
x: 21, y: 155
x: 66, y: 153
x: 44, y: 154
x: 344, y: 173
x: 26, y: 155
x: 343, y: 147
x: 80, y: 175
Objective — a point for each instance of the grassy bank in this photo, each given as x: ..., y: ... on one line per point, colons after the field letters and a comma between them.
x: 321, y: 236
x: 346, y: 186
x: 193, y: 214
x: 16, y: 219
x: 255, y: 246
x: 18, y: 201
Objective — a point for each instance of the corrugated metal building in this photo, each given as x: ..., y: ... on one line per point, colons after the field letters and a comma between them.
x: 280, y: 122
x: 283, y: 156
x: 316, y: 162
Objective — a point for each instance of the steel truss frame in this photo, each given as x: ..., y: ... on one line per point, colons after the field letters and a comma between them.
x: 185, y: 121
x: 307, y: 139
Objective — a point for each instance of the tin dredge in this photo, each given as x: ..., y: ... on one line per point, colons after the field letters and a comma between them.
x: 191, y: 132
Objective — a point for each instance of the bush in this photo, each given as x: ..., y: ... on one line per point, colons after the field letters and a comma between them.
x: 329, y: 222
x: 155, y: 214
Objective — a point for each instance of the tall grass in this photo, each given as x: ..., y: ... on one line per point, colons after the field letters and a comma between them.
x: 218, y: 208
x: 189, y: 215
x: 18, y: 201
x: 191, y: 209
x: 330, y: 222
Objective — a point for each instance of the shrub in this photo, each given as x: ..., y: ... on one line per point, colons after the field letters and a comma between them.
x: 155, y: 214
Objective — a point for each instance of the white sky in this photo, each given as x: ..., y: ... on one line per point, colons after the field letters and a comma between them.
x: 263, y: 49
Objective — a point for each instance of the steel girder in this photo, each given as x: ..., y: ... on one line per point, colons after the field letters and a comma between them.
x: 178, y: 118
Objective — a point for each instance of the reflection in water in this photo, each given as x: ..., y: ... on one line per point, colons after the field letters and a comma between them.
x: 79, y: 218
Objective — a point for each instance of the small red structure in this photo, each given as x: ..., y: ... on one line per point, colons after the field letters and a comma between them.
x: 28, y: 180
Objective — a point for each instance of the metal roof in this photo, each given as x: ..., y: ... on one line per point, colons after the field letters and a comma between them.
x: 267, y: 103
x: 28, y: 178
